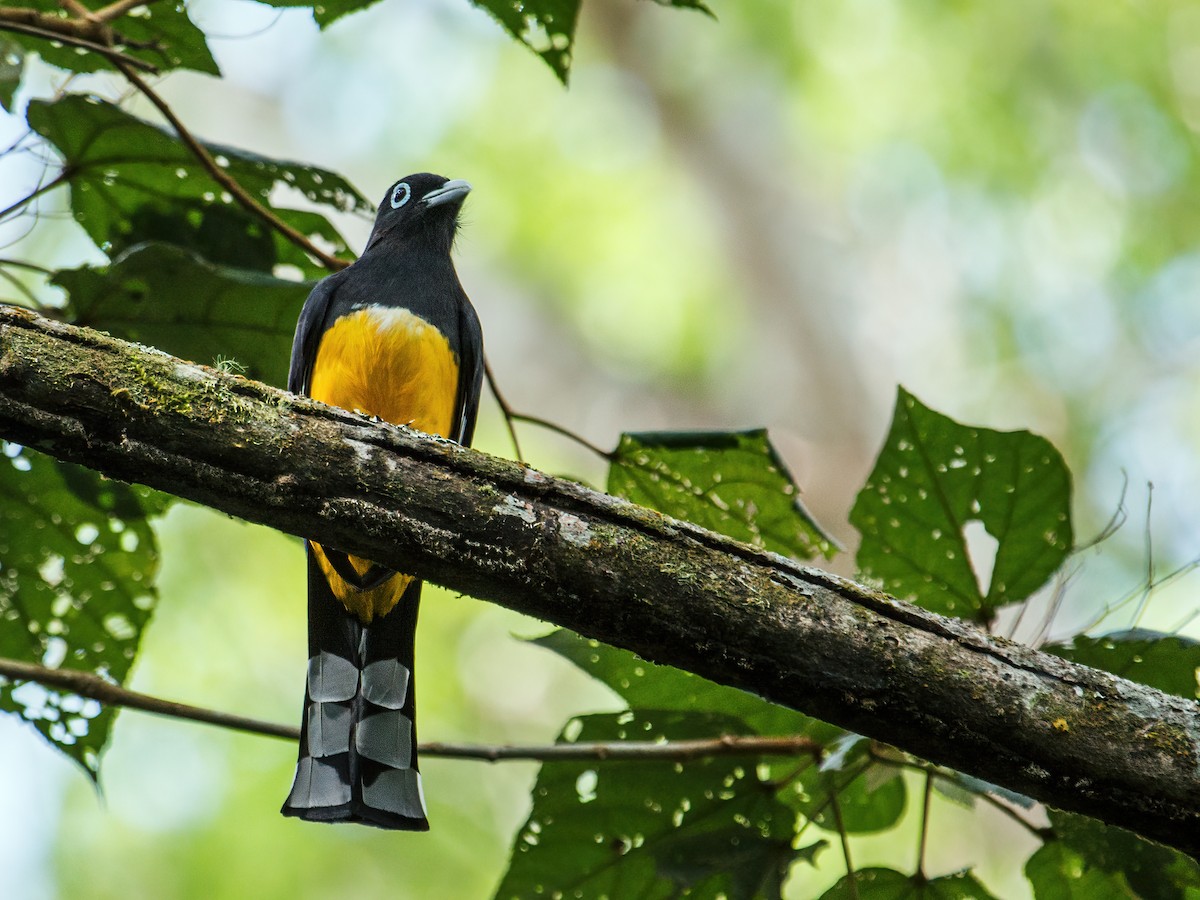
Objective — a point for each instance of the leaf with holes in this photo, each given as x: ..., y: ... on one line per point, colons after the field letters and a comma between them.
x: 645, y: 685
x: 731, y: 482
x: 888, y: 884
x: 933, y: 479
x: 1168, y: 662
x: 172, y: 299
x: 160, y: 34
x: 871, y: 797
x: 77, y: 566
x: 547, y: 27
x: 651, y: 829
x: 132, y: 182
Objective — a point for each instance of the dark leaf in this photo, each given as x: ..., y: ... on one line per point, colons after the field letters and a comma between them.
x: 1152, y: 871
x: 709, y: 828
x: 1164, y: 661
x: 699, y: 5
x: 547, y: 27
x: 12, y: 64
x: 888, y: 884
x: 158, y: 33
x: 77, y: 566
x: 730, y: 482
x: 645, y: 685
x: 933, y: 477
x: 132, y: 182
x: 170, y: 298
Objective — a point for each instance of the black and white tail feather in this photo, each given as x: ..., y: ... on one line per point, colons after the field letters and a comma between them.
x: 358, y: 738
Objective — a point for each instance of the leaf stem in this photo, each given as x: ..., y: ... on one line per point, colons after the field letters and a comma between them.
x: 924, y: 826
x: 851, y: 875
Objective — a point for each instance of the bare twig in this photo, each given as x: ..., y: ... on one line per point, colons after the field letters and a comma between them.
x: 85, y: 684
x: 74, y: 41
x: 505, y: 409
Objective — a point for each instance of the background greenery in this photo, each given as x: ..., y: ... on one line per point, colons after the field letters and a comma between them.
x: 771, y: 219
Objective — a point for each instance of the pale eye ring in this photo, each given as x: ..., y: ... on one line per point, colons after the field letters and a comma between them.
x: 400, y: 195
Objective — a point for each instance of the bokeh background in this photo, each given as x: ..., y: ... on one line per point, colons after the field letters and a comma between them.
x: 769, y: 219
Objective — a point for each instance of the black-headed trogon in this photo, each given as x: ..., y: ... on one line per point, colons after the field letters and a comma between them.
x: 393, y: 335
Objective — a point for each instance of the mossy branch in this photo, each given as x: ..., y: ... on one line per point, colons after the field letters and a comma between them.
x: 1070, y: 736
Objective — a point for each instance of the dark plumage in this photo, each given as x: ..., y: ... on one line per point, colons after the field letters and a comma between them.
x: 394, y: 336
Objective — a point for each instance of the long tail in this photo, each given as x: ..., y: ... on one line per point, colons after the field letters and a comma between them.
x: 358, y: 738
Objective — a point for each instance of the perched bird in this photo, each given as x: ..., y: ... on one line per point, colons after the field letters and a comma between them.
x: 394, y: 336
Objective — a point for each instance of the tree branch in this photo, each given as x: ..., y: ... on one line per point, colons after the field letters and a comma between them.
x: 1070, y: 736
x: 223, y: 178
x: 85, y: 684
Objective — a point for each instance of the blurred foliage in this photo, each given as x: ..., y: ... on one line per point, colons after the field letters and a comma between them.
x: 1060, y: 137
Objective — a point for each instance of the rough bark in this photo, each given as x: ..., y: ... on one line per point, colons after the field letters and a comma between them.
x: 1073, y: 737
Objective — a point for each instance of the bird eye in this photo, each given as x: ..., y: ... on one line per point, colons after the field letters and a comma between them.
x: 400, y: 195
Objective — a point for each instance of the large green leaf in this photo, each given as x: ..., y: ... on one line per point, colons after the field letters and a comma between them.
x: 933, y: 478
x: 732, y: 482
x: 888, y: 884
x: 172, y: 299
x: 158, y: 33
x: 1152, y: 871
x: 132, y: 182
x: 651, y: 829
x: 77, y: 566
x: 645, y: 685
x: 1165, y: 661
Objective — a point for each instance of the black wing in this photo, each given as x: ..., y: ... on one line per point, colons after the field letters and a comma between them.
x: 470, y: 372
x: 309, y: 328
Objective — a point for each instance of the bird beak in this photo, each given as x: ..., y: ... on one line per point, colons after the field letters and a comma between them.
x: 447, y: 193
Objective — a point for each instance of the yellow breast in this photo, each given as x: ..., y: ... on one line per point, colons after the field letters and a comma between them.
x: 385, y: 362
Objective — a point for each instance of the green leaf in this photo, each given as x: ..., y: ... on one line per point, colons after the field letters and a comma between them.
x: 77, y: 566
x: 1057, y: 872
x: 645, y: 685
x: 158, y: 33
x: 547, y: 27
x: 1152, y: 872
x: 12, y: 64
x: 933, y: 478
x: 170, y: 298
x: 730, y: 482
x: 132, y: 182
x: 1164, y: 661
x: 651, y: 829
x: 888, y: 884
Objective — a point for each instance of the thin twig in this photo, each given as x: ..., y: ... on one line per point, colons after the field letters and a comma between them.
x: 505, y: 409
x: 226, y: 181
x: 116, y: 10
x: 33, y: 195
x: 565, y: 432
x: 924, y: 826
x: 86, y: 684
x: 71, y: 40
x: 851, y: 876
x: 22, y: 264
